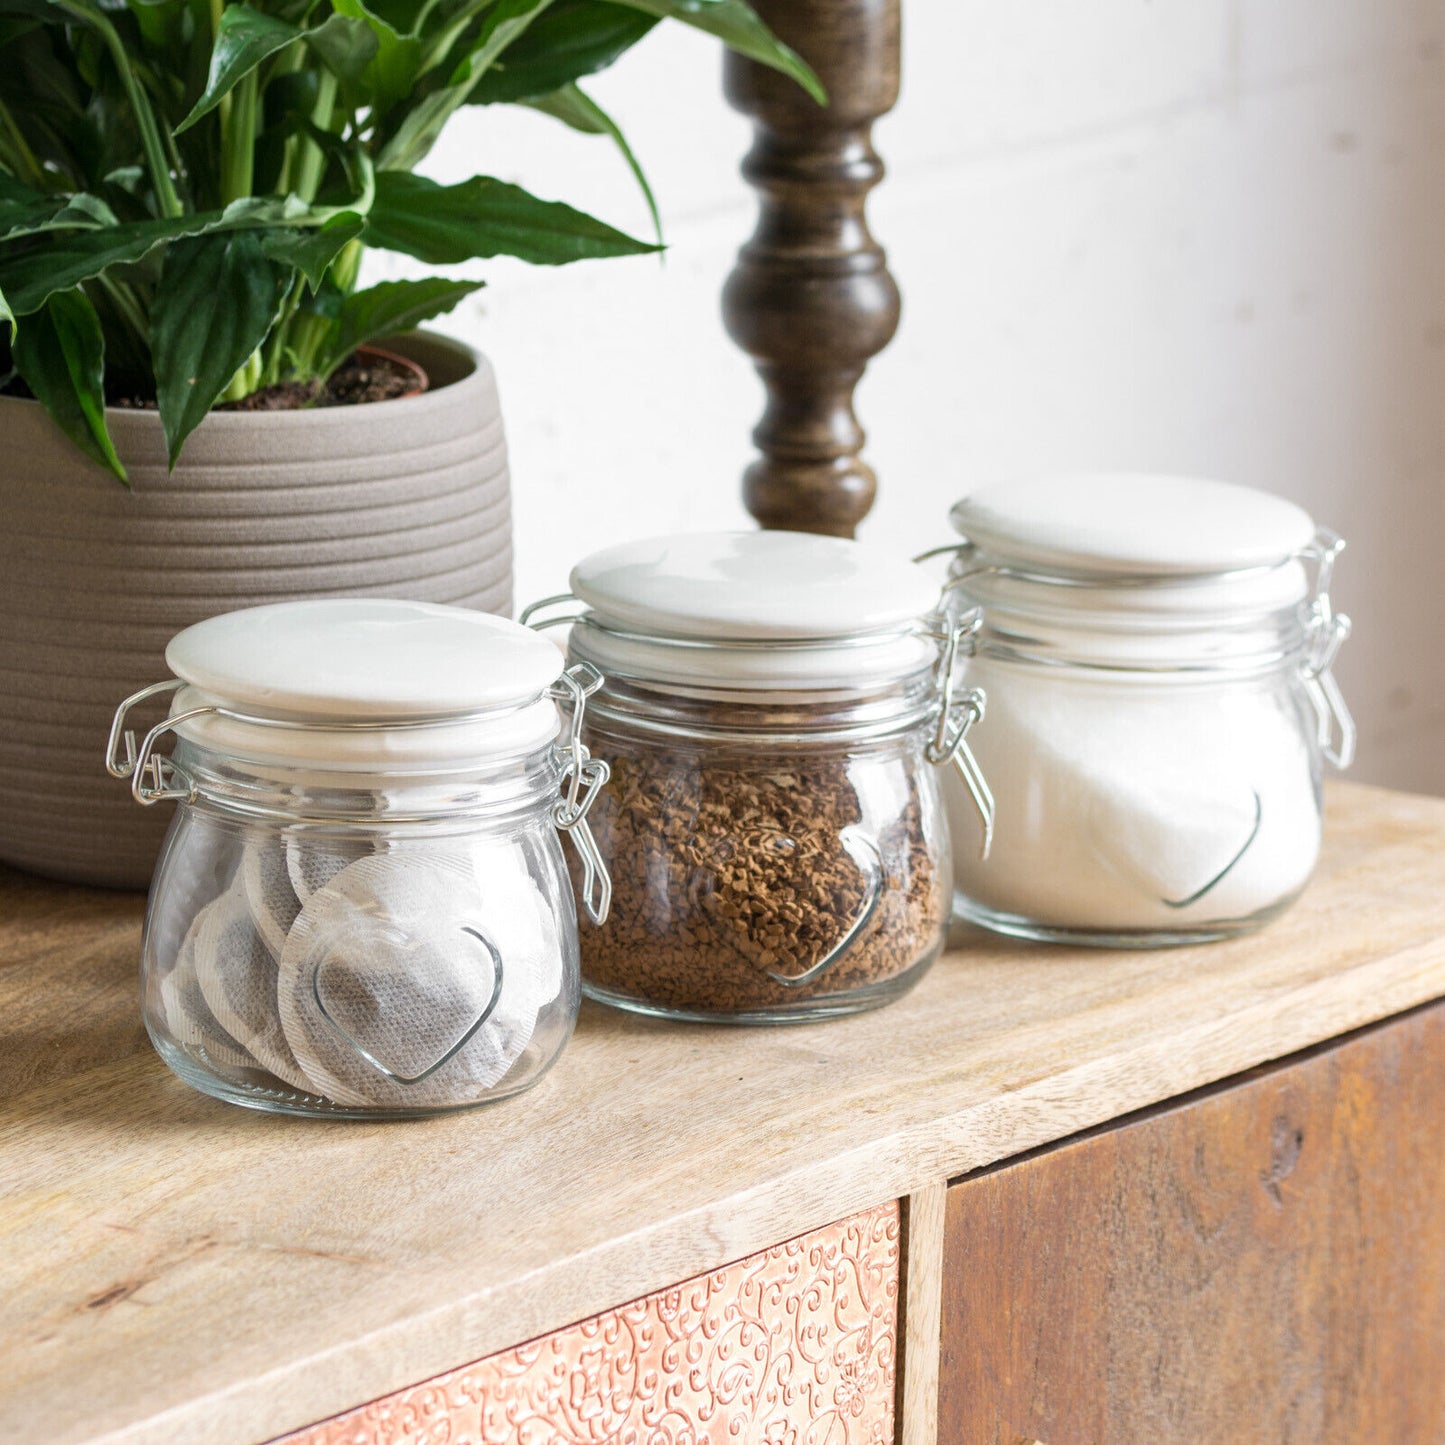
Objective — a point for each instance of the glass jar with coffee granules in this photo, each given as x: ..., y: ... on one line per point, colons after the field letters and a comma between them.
x: 773, y: 709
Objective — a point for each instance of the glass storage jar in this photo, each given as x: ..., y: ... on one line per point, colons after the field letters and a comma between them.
x: 362, y: 906
x: 1157, y: 656
x: 773, y: 707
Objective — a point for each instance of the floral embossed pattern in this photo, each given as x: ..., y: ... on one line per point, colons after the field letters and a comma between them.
x: 794, y: 1346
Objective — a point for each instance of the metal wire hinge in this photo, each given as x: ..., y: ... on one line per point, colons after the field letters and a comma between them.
x: 583, y: 777
x: 154, y: 778
x: 530, y: 618
x: 957, y: 713
x: 1326, y: 631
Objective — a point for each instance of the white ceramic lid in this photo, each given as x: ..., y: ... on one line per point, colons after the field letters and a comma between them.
x: 364, y: 659
x: 747, y: 586
x: 1133, y: 523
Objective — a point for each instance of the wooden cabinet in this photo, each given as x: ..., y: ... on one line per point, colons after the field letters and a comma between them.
x: 1258, y: 1263
x: 1263, y: 1261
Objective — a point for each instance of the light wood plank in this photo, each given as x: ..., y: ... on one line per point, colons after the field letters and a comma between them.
x: 174, y: 1269
x: 922, y: 1310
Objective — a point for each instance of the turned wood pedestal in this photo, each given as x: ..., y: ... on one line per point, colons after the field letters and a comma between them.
x: 811, y: 299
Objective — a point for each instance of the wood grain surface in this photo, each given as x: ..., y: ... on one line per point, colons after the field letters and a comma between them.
x: 173, y: 1269
x: 924, y: 1216
x: 1265, y: 1262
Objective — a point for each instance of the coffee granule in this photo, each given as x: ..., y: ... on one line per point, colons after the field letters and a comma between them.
x: 725, y: 868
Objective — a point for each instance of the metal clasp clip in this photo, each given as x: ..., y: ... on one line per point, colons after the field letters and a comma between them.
x: 1325, y: 633
x: 583, y: 777
x: 154, y: 778
x: 957, y: 713
x: 529, y: 616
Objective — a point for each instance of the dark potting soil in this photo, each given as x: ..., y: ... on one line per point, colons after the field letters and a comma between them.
x: 356, y: 381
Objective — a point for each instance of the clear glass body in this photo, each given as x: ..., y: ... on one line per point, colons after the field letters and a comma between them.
x: 316, y: 947
x: 772, y: 860
x: 1139, y: 809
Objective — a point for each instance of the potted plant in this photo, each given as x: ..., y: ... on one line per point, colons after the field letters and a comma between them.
x: 186, y: 190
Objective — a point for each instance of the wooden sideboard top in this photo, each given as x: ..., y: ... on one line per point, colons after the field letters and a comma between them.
x: 174, y: 1269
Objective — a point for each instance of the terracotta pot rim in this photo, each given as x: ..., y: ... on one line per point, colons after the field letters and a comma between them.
x: 422, y: 378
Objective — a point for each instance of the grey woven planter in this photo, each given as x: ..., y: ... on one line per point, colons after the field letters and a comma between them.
x: 405, y: 498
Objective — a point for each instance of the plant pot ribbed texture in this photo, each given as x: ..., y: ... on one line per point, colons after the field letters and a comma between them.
x: 406, y: 498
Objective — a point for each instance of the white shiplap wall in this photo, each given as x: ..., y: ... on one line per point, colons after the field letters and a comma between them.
x: 1196, y: 235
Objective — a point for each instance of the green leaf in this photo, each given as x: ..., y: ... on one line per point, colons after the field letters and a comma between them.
x: 345, y: 46
x: 16, y: 192
x: 7, y: 316
x: 244, y: 38
x: 574, y: 38
x: 311, y: 252
x: 443, y: 225
x: 738, y: 27
x: 34, y: 9
x: 386, y: 310
x: 76, y: 256
x: 77, y: 212
x: 573, y: 107
x: 391, y: 73
x: 60, y: 352
x: 505, y: 22
x: 218, y: 297
x: 70, y: 257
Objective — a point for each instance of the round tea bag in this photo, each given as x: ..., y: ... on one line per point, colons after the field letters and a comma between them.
x: 314, y: 859
x: 269, y: 892
x: 188, y: 1017
x: 404, y: 983
x: 237, y: 976
x: 524, y: 924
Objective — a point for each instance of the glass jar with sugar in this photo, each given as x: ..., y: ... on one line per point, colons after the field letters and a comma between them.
x: 1157, y: 653
x: 773, y: 708
x: 362, y: 907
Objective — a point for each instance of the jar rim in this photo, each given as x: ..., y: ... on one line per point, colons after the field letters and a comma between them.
x: 849, y: 662
x: 1241, y: 622
x: 348, y: 746
x: 713, y: 714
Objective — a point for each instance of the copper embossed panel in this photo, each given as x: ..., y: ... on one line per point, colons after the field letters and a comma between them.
x: 794, y: 1346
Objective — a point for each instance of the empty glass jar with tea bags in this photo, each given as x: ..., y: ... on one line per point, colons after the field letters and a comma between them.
x: 362, y: 907
x: 1157, y: 655
x: 773, y: 707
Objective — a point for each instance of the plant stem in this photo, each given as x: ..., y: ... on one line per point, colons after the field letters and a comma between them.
x: 23, y: 161
x: 170, y: 202
x: 347, y: 266
x: 238, y: 142
x: 278, y: 337
x: 287, y: 63
x: 313, y: 158
x: 246, y: 380
x: 127, y: 306
x: 223, y: 108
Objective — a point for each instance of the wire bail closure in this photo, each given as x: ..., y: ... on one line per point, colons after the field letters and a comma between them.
x: 154, y: 778
x: 529, y: 615
x: 1325, y: 633
x: 958, y: 712
x: 583, y: 777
